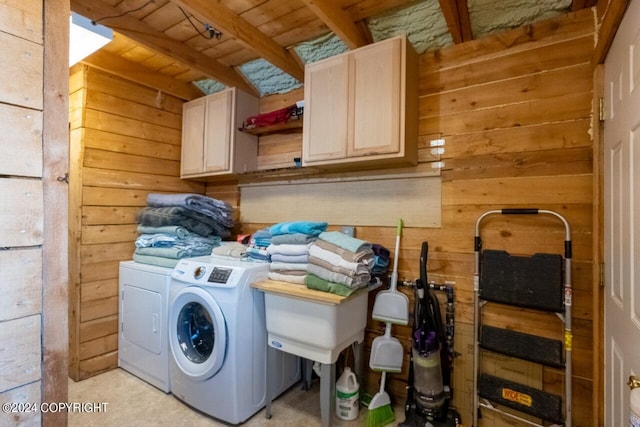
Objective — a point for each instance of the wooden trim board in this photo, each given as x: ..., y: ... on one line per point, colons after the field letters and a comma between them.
x: 55, y: 271
x: 417, y: 200
x: 299, y: 292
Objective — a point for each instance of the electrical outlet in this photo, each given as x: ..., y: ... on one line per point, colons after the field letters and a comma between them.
x: 349, y: 230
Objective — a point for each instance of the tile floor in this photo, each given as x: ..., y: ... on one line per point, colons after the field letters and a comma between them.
x: 133, y: 402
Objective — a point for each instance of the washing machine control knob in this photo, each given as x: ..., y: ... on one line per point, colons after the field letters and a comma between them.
x: 199, y: 272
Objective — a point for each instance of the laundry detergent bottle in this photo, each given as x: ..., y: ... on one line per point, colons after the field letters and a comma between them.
x: 347, y: 395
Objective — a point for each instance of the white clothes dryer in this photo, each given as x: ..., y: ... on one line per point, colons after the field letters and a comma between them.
x: 143, y: 338
x: 218, y: 339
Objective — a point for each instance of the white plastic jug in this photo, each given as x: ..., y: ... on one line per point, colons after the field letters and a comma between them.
x: 634, y: 416
x: 347, y: 395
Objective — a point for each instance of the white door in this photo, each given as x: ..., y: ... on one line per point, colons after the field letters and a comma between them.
x: 622, y: 217
x: 326, y: 115
x: 192, y: 137
x: 217, y: 131
x: 142, y: 315
x: 376, y: 92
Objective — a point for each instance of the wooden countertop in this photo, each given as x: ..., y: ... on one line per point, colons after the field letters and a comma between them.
x: 301, y: 291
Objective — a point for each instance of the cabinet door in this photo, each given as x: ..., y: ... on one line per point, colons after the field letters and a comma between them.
x: 192, y: 136
x: 376, y: 97
x: 217, y: 131
x: 324, y: 135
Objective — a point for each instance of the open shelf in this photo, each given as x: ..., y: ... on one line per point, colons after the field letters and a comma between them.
x: 291, y: 125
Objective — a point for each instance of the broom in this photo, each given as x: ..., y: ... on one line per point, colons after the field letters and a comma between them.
x: 380, y: 412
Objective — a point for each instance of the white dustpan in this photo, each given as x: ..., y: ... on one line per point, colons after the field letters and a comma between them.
x: 392, y: 306
x: 386, y: 352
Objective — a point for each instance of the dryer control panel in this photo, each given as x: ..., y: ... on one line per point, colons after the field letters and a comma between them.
x: 219, y: 275
x: 199, y: 271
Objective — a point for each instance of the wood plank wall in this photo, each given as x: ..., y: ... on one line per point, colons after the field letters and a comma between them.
x: 21, y: 206
x: 514, y: 110
x: 125, y: 143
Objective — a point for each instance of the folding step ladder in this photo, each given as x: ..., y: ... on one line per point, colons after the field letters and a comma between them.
x: 536, y: 283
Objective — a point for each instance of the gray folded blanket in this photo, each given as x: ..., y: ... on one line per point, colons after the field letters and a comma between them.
x: 292, y: 239
x: 214, y: 208
x: 175, y: 215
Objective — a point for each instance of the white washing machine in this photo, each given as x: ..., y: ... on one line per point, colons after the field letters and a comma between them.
x: 143, y: 339
x: 218, y: 339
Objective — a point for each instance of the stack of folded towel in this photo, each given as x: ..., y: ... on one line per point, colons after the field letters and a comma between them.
x: 260, y: 241
x: 164, y: 246
x: 175, y: 226
x: 289, y: 249
x: 339, y: 263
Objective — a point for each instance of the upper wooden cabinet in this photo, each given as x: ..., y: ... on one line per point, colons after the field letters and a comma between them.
x: 362, y: 106
x: 211, y: 141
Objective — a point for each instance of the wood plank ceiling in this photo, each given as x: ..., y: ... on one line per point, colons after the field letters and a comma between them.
x: 174, y: 43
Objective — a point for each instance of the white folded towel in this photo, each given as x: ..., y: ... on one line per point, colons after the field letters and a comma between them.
x: 289, y: 249
x: 290, y: 278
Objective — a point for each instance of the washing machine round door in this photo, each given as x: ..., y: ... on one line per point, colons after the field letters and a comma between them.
x: 197, y: 333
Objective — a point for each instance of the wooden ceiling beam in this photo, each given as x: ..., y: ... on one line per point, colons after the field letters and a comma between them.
x: 578, y: 4
x: 140, y: 74
x: 338, y: 21
x: 582, y: 4
x: 227, y: 21
x: 465, y: 20
x: 456, y: 14
x: 368, y: 8
x: 159, y: 42
x: 449, y: 9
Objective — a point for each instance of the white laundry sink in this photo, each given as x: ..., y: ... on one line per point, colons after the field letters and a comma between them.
x: 315, y: 328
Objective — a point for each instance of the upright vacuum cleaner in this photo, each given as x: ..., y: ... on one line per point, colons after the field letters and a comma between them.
x: 429, y: 389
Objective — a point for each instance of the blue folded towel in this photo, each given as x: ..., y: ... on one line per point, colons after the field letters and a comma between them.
x: 261, y: 238
x: 309, y: 228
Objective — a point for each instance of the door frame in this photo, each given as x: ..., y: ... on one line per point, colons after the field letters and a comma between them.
x: 55, y: 270
x: 609, y: 16
x: 597, y: 125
